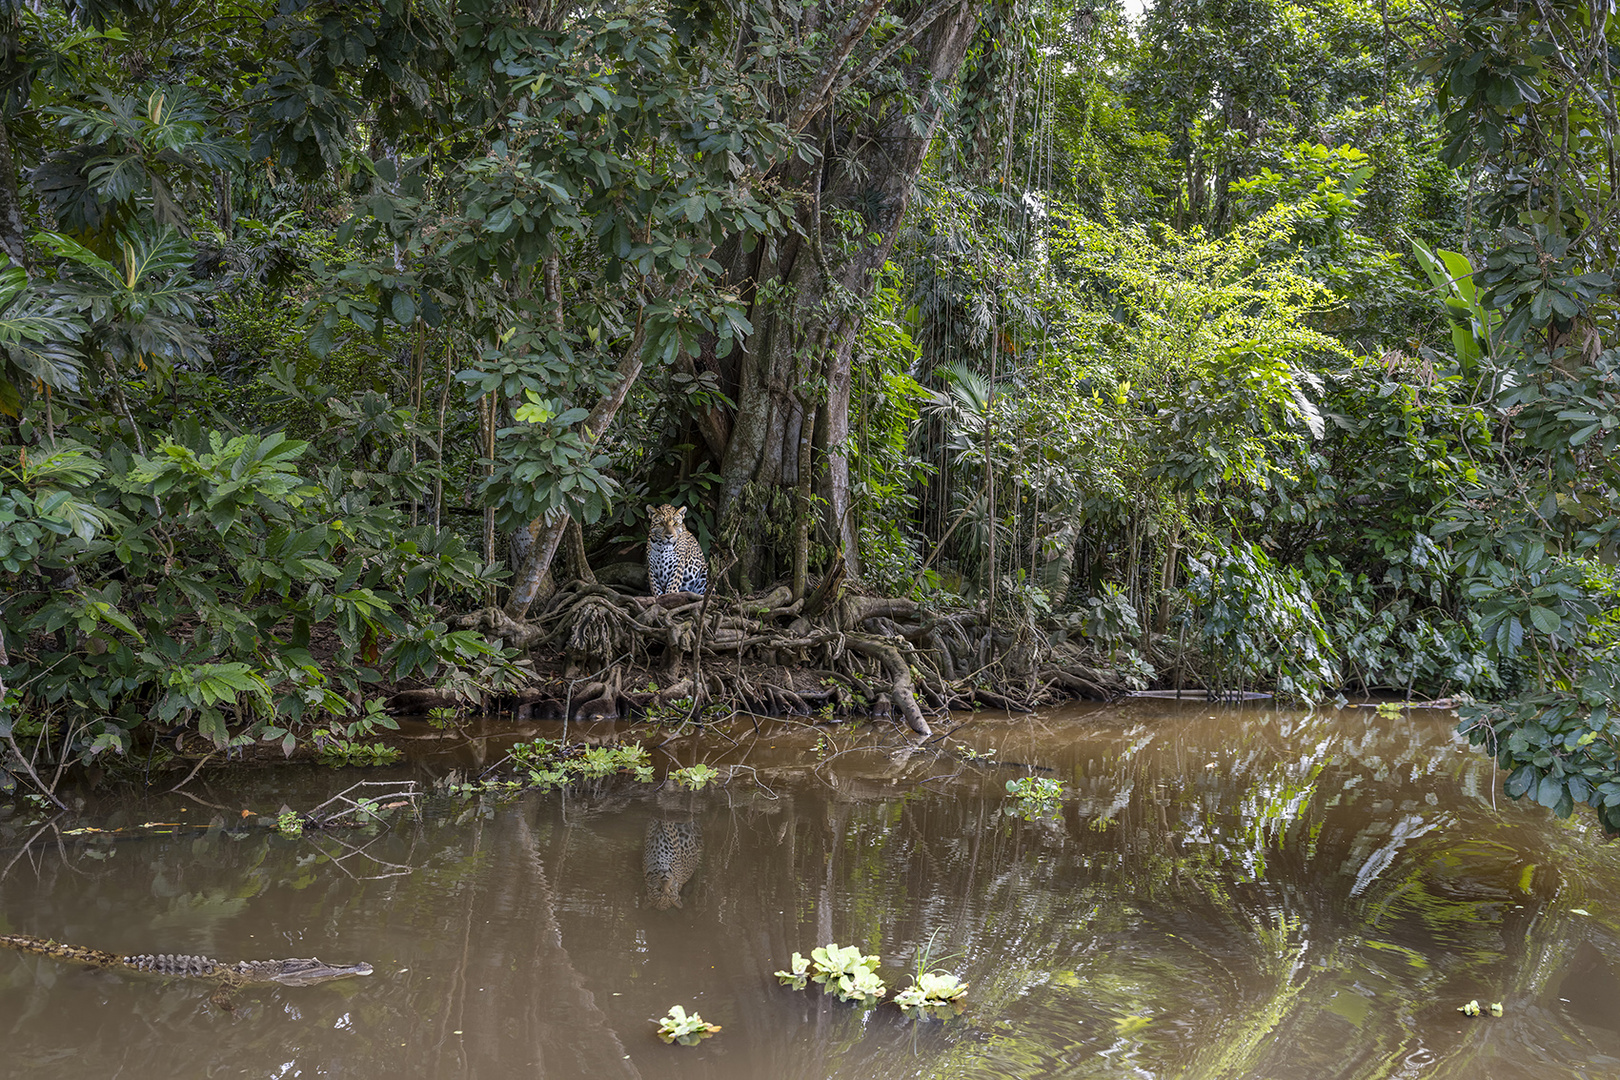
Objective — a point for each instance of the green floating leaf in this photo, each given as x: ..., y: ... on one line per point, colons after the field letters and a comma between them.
x: 679, y: 1027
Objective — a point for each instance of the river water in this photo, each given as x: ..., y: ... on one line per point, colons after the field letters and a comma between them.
x: 1226, y: 892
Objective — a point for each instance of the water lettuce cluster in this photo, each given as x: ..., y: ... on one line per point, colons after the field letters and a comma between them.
x: 933, y: 995
x: 850, y: 975
x: 677, y: 1026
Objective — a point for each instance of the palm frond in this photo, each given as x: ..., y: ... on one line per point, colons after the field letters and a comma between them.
x: 972, y: 391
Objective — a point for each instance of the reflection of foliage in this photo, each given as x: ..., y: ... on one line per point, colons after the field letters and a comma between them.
x: 1275, y: 897
x: 1282, y: 879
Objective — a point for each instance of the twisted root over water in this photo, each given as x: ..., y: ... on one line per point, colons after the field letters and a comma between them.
x: 624, y: 656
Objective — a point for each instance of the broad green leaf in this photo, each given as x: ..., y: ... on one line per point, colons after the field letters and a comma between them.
x: 1545, y: 619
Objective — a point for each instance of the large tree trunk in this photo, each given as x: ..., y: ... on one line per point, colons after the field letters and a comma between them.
x: 805, y: 325
x: 799, y: 355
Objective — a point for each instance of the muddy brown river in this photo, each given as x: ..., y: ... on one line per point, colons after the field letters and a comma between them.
x: 1225, y: 893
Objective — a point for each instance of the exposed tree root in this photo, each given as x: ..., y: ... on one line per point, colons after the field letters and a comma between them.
x: 622, y: 656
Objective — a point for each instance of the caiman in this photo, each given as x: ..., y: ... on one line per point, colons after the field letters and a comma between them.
x: 296, y: 971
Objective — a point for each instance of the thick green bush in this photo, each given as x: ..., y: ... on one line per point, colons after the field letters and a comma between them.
x: 210, y: 584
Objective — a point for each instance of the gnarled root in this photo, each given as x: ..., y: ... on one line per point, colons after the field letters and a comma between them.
x: 899, y: 673
x: 495, y: 623
x: 629, y: 655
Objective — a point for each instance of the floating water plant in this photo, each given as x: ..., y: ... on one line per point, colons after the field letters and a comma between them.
x: 695, y: 777
x: 843, y: 971
x: 847, y: 973
x: 933, y: 994
x: 550, y: 763
x: 798, y: 973
x: 678, y: 1027
x: 1036, y: 795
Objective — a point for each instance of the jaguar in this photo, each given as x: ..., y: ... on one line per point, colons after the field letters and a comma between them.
x: 670, y: 854
x: 675, y: 561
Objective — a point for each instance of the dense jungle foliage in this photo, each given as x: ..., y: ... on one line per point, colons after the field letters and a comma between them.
x: 1245, y: 343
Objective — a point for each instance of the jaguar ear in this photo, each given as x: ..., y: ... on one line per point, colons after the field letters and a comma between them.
x: 651, y: 509
x: 680, y: 515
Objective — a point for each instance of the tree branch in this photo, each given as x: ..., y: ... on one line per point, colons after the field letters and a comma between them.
x: 821, y: 91
x: 899, y: 41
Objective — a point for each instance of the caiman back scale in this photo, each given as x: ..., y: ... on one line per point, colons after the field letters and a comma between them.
x: 295, y: 971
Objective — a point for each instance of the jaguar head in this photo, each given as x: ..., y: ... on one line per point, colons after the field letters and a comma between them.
x: 664, y: 521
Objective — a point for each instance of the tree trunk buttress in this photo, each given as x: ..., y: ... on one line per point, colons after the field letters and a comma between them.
x: 797, y: 326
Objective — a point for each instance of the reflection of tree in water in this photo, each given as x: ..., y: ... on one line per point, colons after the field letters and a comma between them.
x: 1313, y: 913
x: 1271, y: 897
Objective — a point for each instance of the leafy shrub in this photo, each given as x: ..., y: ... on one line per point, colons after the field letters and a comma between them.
x: 1389, y: 635
x: 1559, y: 738
x: 213, y: 585
x: 1259, y: 623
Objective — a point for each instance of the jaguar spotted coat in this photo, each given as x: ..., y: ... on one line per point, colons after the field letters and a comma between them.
x: 675, y: 560
x: 670, y: 854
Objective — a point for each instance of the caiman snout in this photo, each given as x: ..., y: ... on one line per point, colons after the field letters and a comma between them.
x: 303, y: 972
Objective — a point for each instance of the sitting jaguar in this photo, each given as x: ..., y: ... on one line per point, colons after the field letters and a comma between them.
x: 670, y: 855
x: 675, y: 560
